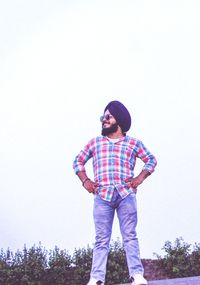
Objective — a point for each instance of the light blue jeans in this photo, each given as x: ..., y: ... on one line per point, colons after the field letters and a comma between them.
x: 103, y: 219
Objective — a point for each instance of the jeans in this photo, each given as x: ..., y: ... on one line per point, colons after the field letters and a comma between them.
x: 103, y: 213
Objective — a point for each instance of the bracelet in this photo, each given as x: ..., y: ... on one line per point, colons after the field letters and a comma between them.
x: 86, y: 179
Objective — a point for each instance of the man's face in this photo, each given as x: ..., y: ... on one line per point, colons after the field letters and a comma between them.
x: 109, y: 124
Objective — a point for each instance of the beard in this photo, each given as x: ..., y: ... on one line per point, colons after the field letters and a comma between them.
x: 110, y: 130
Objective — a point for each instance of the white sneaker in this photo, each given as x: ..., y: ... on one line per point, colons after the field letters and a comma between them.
x: 95, y: 282
x: 139, y: 280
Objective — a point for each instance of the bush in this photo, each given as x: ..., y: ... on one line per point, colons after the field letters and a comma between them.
x: 195, y: 260
x: 59, y: 268
x: 82, y: 262
x: 37, y: 266
x: 23, y: 268
x: 117, y: 271
x: 179, y: 260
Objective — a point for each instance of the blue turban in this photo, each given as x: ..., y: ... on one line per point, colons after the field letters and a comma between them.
x: 120, y: 113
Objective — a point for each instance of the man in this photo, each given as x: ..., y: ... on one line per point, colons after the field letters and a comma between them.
x: 114, y: 157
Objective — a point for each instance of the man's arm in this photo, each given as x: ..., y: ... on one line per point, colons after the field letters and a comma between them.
x: 82, y: 176
x: 147, y: 157
x: 150, y: 163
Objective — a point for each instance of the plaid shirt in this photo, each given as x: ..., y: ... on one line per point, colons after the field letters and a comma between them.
x: 113, y: 163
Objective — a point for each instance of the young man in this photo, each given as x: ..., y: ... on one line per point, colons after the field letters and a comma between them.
x: 114, y: 157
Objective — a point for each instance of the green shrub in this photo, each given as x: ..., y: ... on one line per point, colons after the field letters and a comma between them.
x: 37, y: 266
x: 179, y: 259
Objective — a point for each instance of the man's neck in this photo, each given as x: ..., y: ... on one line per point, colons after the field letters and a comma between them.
x: 116, y: 135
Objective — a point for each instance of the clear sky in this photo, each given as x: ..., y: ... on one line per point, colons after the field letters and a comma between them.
x: 61, y: 62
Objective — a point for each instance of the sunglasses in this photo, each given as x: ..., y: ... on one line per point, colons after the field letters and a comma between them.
x: 106, y: 117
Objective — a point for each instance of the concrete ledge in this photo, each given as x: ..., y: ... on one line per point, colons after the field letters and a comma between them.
x: 177, y: 281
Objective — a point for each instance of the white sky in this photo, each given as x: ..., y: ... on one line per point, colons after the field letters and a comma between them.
x: 61, y: 62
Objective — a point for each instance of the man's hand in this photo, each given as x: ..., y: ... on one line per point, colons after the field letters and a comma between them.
x: 136, y: 181
x: 90, y: 186
x: 133, y: 182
